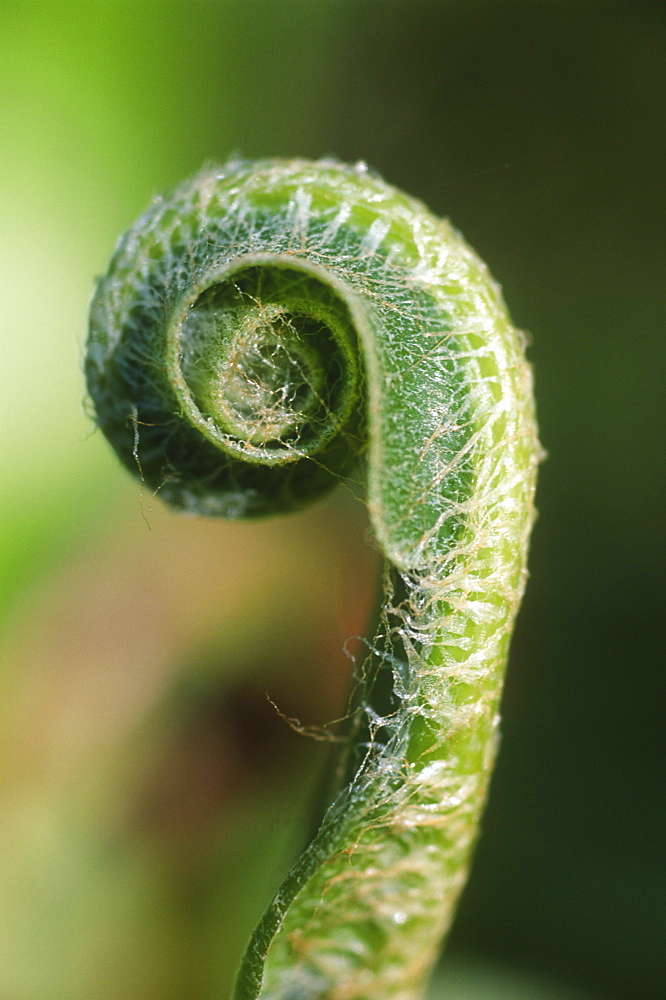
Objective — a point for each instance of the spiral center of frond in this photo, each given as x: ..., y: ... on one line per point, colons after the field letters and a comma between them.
x: 270, y: 382
x: 268, y: 361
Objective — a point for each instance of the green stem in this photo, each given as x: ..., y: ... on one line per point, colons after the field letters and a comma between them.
x: 266, y: 330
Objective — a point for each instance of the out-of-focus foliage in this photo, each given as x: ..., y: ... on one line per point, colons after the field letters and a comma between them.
x: 133, y: 847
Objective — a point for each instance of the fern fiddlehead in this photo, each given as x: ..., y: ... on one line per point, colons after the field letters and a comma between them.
x: 262, y: 332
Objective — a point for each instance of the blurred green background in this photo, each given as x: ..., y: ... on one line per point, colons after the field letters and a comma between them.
x: 146, y: 806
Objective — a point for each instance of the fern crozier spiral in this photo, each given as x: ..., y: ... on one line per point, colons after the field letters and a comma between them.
x: 264, y: 331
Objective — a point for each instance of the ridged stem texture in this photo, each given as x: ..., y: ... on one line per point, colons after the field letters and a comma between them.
x: 264, y: 331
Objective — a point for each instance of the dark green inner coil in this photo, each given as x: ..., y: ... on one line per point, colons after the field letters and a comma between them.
x: 268, y: 366
x: 237, y: 396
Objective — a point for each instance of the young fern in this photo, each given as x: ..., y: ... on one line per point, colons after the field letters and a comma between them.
x: 263, y: 331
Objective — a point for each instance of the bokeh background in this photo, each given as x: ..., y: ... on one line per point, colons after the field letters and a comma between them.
x: 149, y: 802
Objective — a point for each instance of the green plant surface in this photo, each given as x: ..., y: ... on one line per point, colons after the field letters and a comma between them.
x: 264, y: 331
x: 539, y: 129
